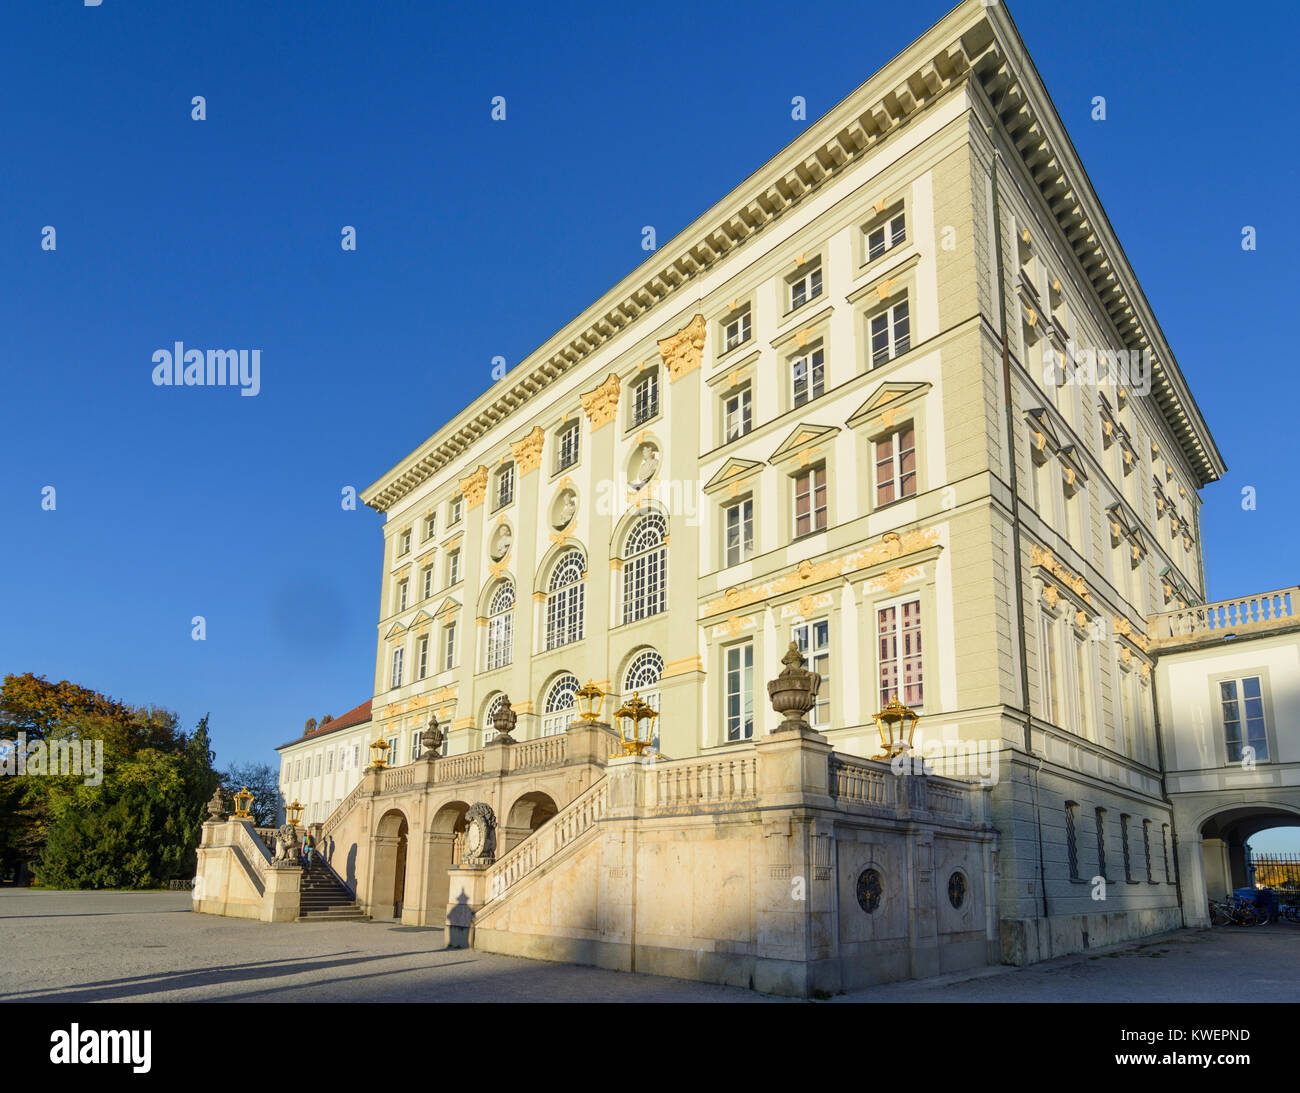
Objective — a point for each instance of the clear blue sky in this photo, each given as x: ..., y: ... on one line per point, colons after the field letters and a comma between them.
x: 476, y: 239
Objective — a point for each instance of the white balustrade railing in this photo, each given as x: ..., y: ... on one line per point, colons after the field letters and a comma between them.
x: 858, y: 782
x: 1263, y: 611
x: 455, y: 767
x: 399, y: 778
x: 547, y: 751
x: 694, y: 782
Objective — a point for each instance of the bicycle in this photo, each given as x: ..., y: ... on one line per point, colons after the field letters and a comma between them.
x: 1236, y: 912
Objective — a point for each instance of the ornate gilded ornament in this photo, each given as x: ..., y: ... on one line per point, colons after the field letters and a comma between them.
x: 528, y: 452
x: 601, y: 405
x: 684, y: 351
x: 474, y: 487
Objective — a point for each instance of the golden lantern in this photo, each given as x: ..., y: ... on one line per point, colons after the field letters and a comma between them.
x: 243, y: 801
x: 629, y: 717
x: 890, y: 723
x: 295, y: 812
x: 590, y: 699
x: 379, y: 753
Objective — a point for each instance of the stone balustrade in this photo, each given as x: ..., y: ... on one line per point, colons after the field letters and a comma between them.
x: 1225, y: 618
x: 861, y: 781
x: 548, y: 751
x: 690, y: 783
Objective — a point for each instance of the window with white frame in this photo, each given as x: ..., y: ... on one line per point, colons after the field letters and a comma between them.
x: 403, y: 590
x: 422, y: 657
x: 1123, y: 708
x: 391, y: 755
x: 738, y: 523
x: 567, y: 446
x: 404, y: 543
x: 457, y: 510
x: 318, y: 764
x: 449, y: 646
x: 501, y: 626
x: 810, y: 501
x: 428, y: 581
x: 740, y: 691
x: 738, y: 413
x: 895, y: 459
x: 1241, y: 702
x: 808, y: 376
x: 397, y: 666
x: 736, y: 329
x: 453, y: 567
x: 1050, y: 694
x: 560, y: 706
x: 415, y: 745
x: 645, y: 568
x: 329, y: 762
x: 642, y: 679
x: 891, y: 333
x: 1083, y: 685
x: 898, y: 632
x: 505, y: 486
x: 813, y: 639
x: 885, y: 235
x: 805, y: 285
x: 645, y: 398
x: 430, y: 525
x: 565, y: 600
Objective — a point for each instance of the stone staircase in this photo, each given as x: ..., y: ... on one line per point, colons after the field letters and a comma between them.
x: 324, y: 898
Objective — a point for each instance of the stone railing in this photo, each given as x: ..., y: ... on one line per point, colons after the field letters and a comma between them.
x: 688, y: 783
x: 398, y: 778
x: 948, y: 800
x: 248, y: 839
x: 267, y: 835
x: 572, y: 821
x: 547, y: 751
x: 1225, y: 618
x: 456, y: 767
x: 335, y: 818
x: 859, y: 780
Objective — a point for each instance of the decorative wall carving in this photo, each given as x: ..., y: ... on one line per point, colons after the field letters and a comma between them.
x: 684, y: 351
x: 528, y: 452
x: 601, y: 404
x: 474, y: 487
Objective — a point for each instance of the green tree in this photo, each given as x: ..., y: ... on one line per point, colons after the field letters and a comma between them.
x: 263, y: 783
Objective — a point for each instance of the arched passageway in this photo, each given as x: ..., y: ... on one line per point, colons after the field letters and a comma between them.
x: 388, y: 872
x: 442, y: 850
x: 526, y: 815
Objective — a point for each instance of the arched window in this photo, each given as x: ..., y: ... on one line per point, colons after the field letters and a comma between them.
x: 501, y: 626
x: 645, y: 569
x: 560, y: 705
x: 489, y: 729
x: 642, y: 676
x: 565, y: 600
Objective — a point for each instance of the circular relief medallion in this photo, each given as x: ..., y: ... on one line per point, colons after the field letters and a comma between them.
x: 956, y: 889
x: 870, y: 888
x: 564, y: 509
x: 501, y: 541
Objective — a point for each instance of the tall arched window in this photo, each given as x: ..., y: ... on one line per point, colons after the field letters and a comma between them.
x: 565, y: 600
x: 645, y: 569
x: 560, y: 706
x: 501, y: 626
x: 642, y: 676
x: 489, y: 728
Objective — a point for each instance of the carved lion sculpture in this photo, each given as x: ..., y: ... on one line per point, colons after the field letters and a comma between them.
x: 286, y: 844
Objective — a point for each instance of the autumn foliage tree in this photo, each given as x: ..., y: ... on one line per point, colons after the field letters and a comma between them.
x: 139, y: 827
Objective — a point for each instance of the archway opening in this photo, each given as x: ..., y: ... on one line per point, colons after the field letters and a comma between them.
x: 1226, y: 848
x: 388, y: 877
x: 526, y: 815
x: 446, y: 837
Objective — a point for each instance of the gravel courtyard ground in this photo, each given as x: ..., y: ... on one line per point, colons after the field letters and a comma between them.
x: 149, y: 947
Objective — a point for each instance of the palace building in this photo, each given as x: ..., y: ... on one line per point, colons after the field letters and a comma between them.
x: 876, y: 401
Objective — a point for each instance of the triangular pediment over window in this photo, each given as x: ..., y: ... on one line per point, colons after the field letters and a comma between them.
x: 447, y: 606
x: 887, y: 400
x: 395, y: 631
x: 804, y: 438
x: 733, y: 470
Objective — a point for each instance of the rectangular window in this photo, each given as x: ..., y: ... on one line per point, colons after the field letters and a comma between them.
x: 415, y: 746
x: 896, y: 466
x: 402, y: 592
x: 457, y: 510
x: 738, y: 413
x: 449, y: 647
x: 1146, y: 848
x: 318, y: 763
x: 886, y: 236
x: 740, y: 692
x: 566, y: 452
x: 1101, y: 842
x: 397, y: 667
x: 814, y: 642
x: 805, y: 286
x: 645, y: 398
x: 1242, y: 702
x: 423, y: 657
x: 505, y: 486
x: 808, y: 376
x: 453, y: 567
x: 1083, y: 685
x: 1164, y: 850
x: 736, y: 330
x: 428, y: 581
x: 404, y: 543
x: 1123, y: 839
x: 810, y: 502
x: 329, y: 762
x: 1071, y: 838
x: 891, y: 333
x: 1047, y: 668
x: 391, y: 754
x: 430, y: 525
x: 739, y: 519
x: 898, y: 629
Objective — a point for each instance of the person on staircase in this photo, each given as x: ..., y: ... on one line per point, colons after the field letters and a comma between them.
x: 308, y: 851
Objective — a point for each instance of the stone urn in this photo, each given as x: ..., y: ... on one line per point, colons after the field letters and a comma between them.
x: 794, y: 692
x: 216, y: 807
x: 503, y: 720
